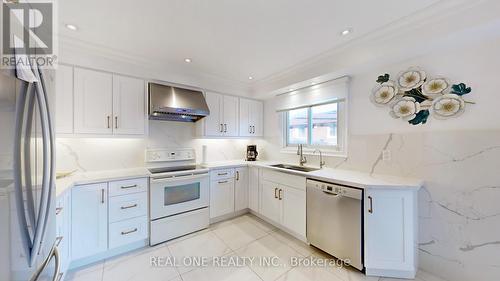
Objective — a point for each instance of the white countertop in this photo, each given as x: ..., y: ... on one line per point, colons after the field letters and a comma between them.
x: 339, y: 176
x: 79, y: 178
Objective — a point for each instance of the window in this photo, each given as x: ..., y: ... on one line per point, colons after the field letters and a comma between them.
x: 315, y: 127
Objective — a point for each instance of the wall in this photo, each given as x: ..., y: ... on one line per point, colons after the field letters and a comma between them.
x: 90, y: 154
x: 459, y: 159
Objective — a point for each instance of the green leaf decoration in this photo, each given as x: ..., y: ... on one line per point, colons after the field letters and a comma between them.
x: 421, y: 117
x: 416, y: 94
x: 460, y: 89
x: 383, y: 78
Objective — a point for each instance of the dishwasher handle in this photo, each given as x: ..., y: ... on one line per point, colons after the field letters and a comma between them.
x: 333, y: 194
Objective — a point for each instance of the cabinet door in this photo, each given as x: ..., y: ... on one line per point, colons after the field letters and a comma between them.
x: 257, y: 118
x: 128, y: 106
x: 89, y: 220
x: 294, y: 209
x: 213, y: 122
x: 270, y: 205
x: 245, y: 129
x: 221, y: 197
x: 389, y: 230
x: 63, y: 228
x: 64, y: 100
x: 253, y: 189
x: 230, y: 116
x: 93, y: 102
x: 241, y: 189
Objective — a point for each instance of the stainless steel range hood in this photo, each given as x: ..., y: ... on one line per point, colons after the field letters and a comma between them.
x: 176, y: 104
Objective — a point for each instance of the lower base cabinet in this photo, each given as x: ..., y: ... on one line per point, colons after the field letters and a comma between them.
x: 106, y: 216
x: 63, y: 229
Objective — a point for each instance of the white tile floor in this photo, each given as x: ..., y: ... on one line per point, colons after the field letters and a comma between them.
x: 246, y: 236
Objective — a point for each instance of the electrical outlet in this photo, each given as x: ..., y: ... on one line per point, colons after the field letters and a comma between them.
x: 386, y: 155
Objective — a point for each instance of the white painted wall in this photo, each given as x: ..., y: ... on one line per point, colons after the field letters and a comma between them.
x: 458, y: 158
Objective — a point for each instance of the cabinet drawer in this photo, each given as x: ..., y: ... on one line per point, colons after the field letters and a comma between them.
x: 221, y: 174
x: 117, y: 188
x: 128, y: 206
x: 128, y: 231
x: 298, y: 182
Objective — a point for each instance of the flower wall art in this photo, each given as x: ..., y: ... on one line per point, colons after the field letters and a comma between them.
x: 413, y: 96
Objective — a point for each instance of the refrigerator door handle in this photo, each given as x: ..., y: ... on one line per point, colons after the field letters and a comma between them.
x: 30, y: 202
x: 27, y: 243
x: 47, y: 180
x: 54, y: 254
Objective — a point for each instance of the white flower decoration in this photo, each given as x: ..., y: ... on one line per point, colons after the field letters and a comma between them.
x: 384, y: 93
x: 406, y: 108
x: 435, y: 87
x: 447, y: 106
x: 411, y: 79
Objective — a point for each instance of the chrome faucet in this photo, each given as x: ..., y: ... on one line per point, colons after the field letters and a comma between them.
x: 321, y: 162
x: 302, y: 159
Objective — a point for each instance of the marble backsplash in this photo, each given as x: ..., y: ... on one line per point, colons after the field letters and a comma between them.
x: 459, y: 207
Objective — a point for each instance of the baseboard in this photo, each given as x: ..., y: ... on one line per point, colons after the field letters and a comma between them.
x: 406, y: 274
x: 107, y: 254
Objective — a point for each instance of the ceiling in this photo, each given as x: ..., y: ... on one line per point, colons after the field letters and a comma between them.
x: 228, y: 39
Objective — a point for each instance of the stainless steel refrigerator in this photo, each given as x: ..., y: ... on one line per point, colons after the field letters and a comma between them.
x: 28, y: 243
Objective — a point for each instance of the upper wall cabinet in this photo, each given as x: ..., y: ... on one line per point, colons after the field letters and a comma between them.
x: 107, y: 104
x: 64, y: 100
x: 223, y: 118
x: 93, y: 102
x: 128, y: 106
x: 251, y: 118
x: 232, y: 117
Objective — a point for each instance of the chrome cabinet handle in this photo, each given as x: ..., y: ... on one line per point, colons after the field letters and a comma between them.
x: 102, y: 196
x: 253, y: 129
x: 221, y: 129
x: 59, y: 210
x: 58, y: 240
x: 275, y: 190
x: 279, y: 194
x: 237, y: 175
x: 225, y: 128
x: 128, y: 232
x: 109, y: 117
x: 116, y: 122
x: 222, y: 174
x: 128, y: 207
x: 249, y: 129
x: 128, y: 186
x: 370, y: 209
x: 223, y: 182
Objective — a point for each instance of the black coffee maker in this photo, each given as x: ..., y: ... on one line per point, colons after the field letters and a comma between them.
x: 252, y: 152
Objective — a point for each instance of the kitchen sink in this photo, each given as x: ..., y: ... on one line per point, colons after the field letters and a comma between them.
x: 295, y: 168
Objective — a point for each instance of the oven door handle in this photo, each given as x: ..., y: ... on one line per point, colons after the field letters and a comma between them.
x: 178, y: 178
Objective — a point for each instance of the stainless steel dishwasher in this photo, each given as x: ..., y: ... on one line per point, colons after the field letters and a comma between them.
x: 335, y: 220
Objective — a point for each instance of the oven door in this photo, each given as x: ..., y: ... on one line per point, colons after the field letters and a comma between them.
x: 170, y: 196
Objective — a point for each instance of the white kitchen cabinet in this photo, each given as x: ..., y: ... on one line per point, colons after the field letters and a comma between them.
x: 93, y: 102
x: 128, y: 106
x: 63, y: 229
x: 241, y: 189
x: 294, y: 209
x: 270, y: 204
x: 64, y: 100
x: 223, y: 118
x: 251, y: 118
x: 221, y: 197
x: 89, y: 220
x: 390, y: 233
x: 253, y: 188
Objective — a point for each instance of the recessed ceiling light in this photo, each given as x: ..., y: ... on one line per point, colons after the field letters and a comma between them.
x: 71, y: 27
x: 188, y: 60
x: 346, y: 32
x: 250, y: 77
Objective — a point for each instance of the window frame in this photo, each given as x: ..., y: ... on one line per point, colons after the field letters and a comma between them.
x: 339, y: 150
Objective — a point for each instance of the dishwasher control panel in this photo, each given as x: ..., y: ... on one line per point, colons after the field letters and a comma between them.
x: 335, y: 189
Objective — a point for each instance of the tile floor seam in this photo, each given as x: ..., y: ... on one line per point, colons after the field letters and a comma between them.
x: 175, y: 266
x: 258, y: 276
